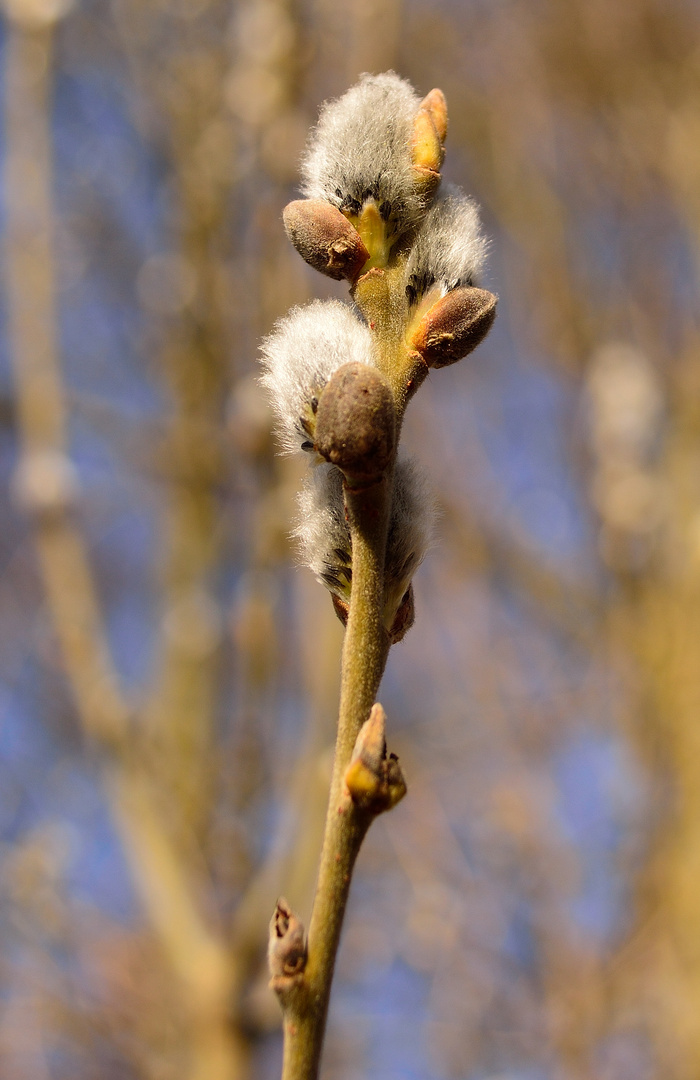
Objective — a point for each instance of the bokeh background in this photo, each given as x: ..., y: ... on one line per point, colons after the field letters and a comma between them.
x: 169, y: 676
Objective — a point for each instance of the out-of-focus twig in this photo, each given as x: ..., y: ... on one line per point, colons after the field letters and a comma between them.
x: 45, y: 481
x: 46, y: 486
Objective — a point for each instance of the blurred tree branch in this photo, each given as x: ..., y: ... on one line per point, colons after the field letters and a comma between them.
x: 46, y: 486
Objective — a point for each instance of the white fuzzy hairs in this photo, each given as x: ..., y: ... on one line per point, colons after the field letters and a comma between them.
x: 322, y: 531
x: 324, y: 537
x: 449, y: 249
x: 304, y: 349
x: 361, y: 149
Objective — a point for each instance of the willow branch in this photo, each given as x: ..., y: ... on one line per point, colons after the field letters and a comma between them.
x: 365, y: 651
x: 355, y: 429
x: 345, y: 401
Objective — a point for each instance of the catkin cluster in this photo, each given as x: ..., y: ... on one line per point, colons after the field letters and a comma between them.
x: 340, y: 375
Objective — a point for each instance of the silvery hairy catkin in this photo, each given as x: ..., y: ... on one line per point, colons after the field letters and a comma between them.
x: 449, y: 249
x: 324, y: 536
x: 340, y: 376
x: 340, y: 379
x: 361, y: 149
x: 450, y: 314
x: 299, y: 357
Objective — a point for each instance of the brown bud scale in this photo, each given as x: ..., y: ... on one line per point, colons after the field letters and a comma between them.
x: 287, y: 951
x: 325, y: 238
x: 341, y: 609
x: 356, y: 422
x: 454, y: 326
x: 404, y: 618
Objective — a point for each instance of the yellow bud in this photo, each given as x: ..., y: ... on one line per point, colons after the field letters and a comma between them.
x: 374, y: 781
x: 363, y: 784
x: 427, y: 151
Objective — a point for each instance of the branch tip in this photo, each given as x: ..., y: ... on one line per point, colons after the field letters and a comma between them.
x: 435, y: 104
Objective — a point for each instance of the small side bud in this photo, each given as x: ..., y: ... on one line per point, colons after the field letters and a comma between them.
x: 325, y: 238
x: 454, y: 326
x: 356, y: 422
x: 427, y: 151
x: 375, y: 782
x: 341, y: 608
x: 370, y: 745
x: 404, y: 618
x: 286, y: 951
x: 435, y: 104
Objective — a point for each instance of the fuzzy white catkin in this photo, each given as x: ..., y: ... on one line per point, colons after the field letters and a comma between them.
x: 322, y: 531
x: 324, y: 536
x: 306, y: 346
x: 361, y: 149
x: 411, y: 529
x: 449, y: 249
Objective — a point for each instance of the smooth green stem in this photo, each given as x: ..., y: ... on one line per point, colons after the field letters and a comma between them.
x: 365, y: 652
x: 366, y: 644
x: 381, y: 297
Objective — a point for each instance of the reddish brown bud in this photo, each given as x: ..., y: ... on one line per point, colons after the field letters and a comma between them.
x: 454, y: 326
x: 286, y: 951
x: 356, y: 422
x: 325, y: 238
x: 341, y: 609
x: 404, y: 618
